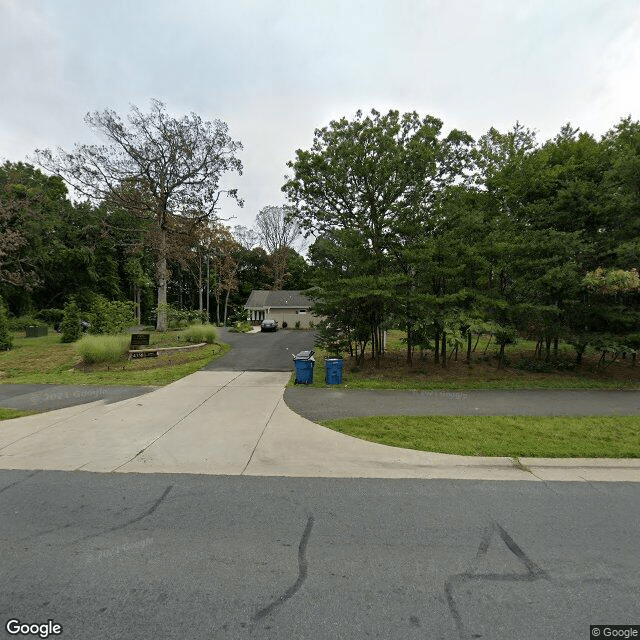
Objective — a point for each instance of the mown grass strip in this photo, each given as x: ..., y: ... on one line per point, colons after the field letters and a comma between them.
x: 8, y: 414
x: 509, y: 436
x: 47, y: 361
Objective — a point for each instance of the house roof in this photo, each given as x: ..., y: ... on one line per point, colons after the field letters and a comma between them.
x: 260, y: 299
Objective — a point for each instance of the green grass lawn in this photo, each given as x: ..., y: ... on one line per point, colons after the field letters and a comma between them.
x: 7, y: 414
x: 46, y: 360
x: 510, y: 436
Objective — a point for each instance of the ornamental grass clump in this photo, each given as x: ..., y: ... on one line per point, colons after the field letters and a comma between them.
x: 97, y: 349
x: 200, y: 333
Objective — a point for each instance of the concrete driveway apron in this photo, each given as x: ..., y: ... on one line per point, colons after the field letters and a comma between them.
x: 236, y: 423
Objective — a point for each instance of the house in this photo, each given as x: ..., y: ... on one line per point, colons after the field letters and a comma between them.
x: 287, y: 307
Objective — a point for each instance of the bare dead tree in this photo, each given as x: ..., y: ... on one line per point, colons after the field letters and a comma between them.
x: 277, y: 232
x: 153, y: 165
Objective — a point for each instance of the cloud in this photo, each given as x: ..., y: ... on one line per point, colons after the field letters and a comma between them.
x: 274, y: 71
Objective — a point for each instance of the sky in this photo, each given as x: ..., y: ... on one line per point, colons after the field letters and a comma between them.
x: 276, y: 70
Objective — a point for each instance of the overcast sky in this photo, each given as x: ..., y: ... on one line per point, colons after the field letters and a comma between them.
x: 274, y: 70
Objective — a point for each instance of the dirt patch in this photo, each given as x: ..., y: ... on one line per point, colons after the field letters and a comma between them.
x: 484, y: 367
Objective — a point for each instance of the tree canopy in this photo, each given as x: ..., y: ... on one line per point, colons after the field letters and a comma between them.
x: 154, y: 166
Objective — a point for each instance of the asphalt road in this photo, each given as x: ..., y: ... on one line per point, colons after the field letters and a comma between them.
x: 174, y: 556
x: 329, y: 404
x: 270, y: 351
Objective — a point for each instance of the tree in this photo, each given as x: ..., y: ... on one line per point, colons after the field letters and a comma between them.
x: 156, y: 166
x: 372, y: 184
x: 6, y: 340
x: 71, y: 328
x: 31, y: 204
x: 277, y: 231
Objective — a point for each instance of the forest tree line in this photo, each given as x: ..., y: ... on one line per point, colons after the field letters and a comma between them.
x: 439, y: 234
x: 446, y: 237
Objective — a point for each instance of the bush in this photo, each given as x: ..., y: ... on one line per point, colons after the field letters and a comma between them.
x: 297, y: 325
x: 94, y: 349
x: 111, y: 317
x: 180, y: 318
x: 6, y: 339
x: 200, y: 333
x: 70, y: 327
x: 241, y: 327
x: 19, y: 323
x: 52, y: 317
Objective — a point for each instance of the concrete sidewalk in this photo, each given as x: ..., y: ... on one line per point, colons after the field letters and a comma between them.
x: 237, y: 423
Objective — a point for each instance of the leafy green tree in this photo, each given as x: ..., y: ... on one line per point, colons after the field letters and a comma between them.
x: 71, y: 328
x: 6, y: 339
x: 110, y: 317
x: 370, y: 183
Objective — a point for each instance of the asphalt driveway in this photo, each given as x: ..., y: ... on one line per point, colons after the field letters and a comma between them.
x: 262, y: 351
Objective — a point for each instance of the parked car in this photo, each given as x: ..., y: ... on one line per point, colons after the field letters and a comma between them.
x: 269, y: 325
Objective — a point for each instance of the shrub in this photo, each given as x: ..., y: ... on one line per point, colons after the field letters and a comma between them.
x: 241, y: 327
x: 70, y: 327
x: 180, y: 318
x: 52, y: 317
x: 19, y: 323
x: 200, y: 333
x: 6, y: 339
x: 94, y: 349
x: 111, y: 317
x: 297, y: 325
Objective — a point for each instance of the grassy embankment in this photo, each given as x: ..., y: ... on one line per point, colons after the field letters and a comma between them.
x: 47, y: 360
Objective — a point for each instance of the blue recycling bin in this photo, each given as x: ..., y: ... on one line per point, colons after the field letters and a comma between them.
x: 333, y: 371
x: 304, y: 363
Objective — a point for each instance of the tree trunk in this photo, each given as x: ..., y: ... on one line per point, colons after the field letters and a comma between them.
x: 468, y: 346
x: 444, y: 350
x: 500, y: 356
x: 409, y: 345
x: 162, y: 275
x: 200, y: 287
x: 208, y: 291
x: 136, y: 299
x: 555, y: 347
x: 436, y: 357
x: 226, y: 304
